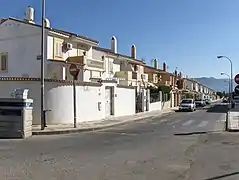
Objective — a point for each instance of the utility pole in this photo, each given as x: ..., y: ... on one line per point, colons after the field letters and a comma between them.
x: 42, y: 67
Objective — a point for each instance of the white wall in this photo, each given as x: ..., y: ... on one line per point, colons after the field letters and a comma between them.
x: 23, y: 44
x: 59, y: 99
x: 155, y: 106
x: 60, y: 102
x: 166, y: 105
x: 124, y: 101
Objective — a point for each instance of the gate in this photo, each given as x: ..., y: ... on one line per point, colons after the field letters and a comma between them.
x: 139, y: 101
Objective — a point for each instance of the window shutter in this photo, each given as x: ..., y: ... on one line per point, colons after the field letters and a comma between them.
x: 4, y: 61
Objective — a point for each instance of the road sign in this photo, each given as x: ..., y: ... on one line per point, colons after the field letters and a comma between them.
x: 236, y: 78
x: 74, y: 71
x: 236, y: 90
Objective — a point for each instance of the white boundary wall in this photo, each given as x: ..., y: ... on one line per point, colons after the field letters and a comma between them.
x: 59, y: 99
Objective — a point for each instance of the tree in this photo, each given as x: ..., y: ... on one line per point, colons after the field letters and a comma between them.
x: 221, y: 94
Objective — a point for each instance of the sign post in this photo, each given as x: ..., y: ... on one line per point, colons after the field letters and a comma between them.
x: 236, y: 90
x: 74, y: 71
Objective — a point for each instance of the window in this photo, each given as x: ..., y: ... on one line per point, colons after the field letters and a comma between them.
x: 110, y: 67
x: 3, y: 59
x: 58, y: 49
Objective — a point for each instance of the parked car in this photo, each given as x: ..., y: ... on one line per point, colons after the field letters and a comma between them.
x: 225, y: 100
x: 208, y: 101
x: 187, y: 105
x: 200, y: 102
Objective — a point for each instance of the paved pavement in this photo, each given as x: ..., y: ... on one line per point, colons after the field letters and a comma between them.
x: 167, y: 148
x: 99, y: 124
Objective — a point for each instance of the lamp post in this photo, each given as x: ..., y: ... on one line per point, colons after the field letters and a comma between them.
x: 220, y: 57
x: 229, y: 82
x: 42, y: 67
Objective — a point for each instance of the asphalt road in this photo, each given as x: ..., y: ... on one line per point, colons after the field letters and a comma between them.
x: 158, y: 148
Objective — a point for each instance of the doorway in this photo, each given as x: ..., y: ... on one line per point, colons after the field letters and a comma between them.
x: 108, y: 101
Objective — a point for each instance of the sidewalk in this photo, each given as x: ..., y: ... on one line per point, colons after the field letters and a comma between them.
x: 233, y: 119
x: 99, y: 124
x: 216, y: 158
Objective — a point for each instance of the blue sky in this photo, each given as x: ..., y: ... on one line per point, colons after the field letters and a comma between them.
x: 187, y: 34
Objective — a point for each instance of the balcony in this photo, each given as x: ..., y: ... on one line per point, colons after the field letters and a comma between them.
x: 129, y: 78
x: 127, y: 75
x: 89, y: 64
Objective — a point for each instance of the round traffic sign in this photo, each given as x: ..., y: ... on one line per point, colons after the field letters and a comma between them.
x: 236, y: 78
x: 236, y: 90
x: 74, y: 71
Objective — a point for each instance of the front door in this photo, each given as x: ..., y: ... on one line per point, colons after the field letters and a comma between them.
x: 108, y: 101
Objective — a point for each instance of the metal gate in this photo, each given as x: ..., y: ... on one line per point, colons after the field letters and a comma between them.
x: 108, y: 101
x: 139, y: 98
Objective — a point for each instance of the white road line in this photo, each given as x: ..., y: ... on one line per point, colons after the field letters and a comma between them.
x: 174, y: 121
x: 221, y: 120
x: 188, y: 122
x: 163, y: 120
x: 202, y: 124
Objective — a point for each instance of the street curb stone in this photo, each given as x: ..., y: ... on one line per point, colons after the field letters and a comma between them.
x: 72, y: 131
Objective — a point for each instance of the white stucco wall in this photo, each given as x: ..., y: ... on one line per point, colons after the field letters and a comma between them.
x: 155, y: 106
x: 124, y: 101
x: 87, y: 99
x: 23, y: 44
x: 59, y: 99
x: 166, y: 105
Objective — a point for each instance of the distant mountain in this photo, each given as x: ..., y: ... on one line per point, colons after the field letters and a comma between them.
x: 216, y: 84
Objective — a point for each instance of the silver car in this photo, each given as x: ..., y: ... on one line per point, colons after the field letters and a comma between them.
x: 187, y: 105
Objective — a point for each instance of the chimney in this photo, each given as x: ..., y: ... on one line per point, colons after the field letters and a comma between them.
x: 133, y: 51
x: 180, y: 75
x: 114, y: 44
x: 156, y: 64
x: 164, y: 67
x: 30, y: 14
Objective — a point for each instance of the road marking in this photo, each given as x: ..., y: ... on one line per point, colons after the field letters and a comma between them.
x: 202, y: 124
x: 188, y: 122
x: 163, y: 120
x: 174, y: 121
x: 159, y: 121
x: 117, y: 133
x: 221, y: 120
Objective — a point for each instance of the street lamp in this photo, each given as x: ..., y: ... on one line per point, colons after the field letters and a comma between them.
x: 229, y: 86
x: 220, y: 57
x: 42, y: 66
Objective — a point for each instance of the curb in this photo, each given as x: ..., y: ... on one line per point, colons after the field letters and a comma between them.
x: 72, y: 131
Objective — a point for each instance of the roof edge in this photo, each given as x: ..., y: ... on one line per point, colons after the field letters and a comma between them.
x: 54, y: 29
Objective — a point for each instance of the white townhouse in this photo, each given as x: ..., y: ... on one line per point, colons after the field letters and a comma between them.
x: 126, y: 70
x: 20, y: 54
x: 20, y: 49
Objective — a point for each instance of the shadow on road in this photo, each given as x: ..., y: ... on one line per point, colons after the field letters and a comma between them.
x: 190, y: 133
x: 223, y: 176
x: 218, y: 108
